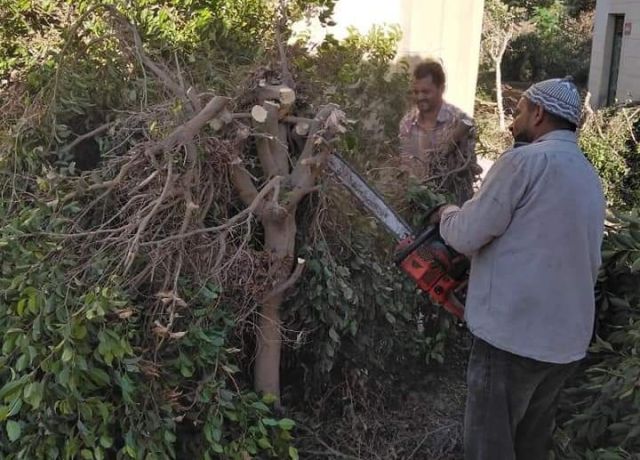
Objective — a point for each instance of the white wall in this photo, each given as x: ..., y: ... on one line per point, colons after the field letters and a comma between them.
x: 629, y: 73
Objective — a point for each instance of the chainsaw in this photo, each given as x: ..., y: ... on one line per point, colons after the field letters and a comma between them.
x: 437, y: 269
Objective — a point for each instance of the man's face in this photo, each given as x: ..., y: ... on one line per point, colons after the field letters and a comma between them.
x: 522, y: 122
x: 427, y: 96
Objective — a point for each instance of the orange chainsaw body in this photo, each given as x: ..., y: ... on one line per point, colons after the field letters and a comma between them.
x: 437, y: 269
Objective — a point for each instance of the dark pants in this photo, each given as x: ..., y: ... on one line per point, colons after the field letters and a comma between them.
x: 511, y: 404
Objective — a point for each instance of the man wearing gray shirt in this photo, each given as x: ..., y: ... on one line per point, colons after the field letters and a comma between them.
x: 533, y: 232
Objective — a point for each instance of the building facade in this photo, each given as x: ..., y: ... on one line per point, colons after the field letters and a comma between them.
x: 614, y: 74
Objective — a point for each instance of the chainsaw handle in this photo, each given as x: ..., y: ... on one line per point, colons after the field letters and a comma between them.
x: 420, y: 239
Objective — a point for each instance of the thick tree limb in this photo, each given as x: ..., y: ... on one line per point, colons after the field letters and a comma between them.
x: 243, y: 184
x: 284, y: 65
x: 263, y: 143
x: 185, y: 133
x: 278, y: 142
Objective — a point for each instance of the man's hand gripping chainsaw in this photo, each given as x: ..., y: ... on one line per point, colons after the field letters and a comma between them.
x: 436, y: 268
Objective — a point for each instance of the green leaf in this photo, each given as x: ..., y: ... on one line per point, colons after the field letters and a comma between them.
x: 269, y: 422
x: 67, y: 354
x: 4, y: 413
x: 12, y: 387
x: 636, y: 265
x: 264, y: 443
x: 99, y: 377
x: 269, y: 398
x: 293, y: 453
x: 169, y: 437
x: 22, y: 362
x: 286, y: 424
x: 231, y: 415
x: 259, y: 405
x: 33, y: 393
x: 22, y: 303
x: 390, y: 318
x: 14, y: 430
x: 106, y: 441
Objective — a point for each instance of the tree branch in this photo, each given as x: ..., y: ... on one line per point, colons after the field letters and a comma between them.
x: 99, y: 130
x: 278, y: 142
x: 185, y: 133
x: 243, y: 184
x: 251, y: 209
x: 263, y: 144
x: 295, y: 276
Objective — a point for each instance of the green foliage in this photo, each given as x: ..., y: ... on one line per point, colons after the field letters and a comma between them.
x: 608, y: 140
x: 354, y: 308
x: 28, y: 34
x: 79, y: 378
x: 600, y: 412
x: 358, y: 74
x: 566, y: 39
x: 548, y: 19
x: 85, y: 372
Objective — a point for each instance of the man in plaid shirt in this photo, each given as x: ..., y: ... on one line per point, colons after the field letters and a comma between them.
x: 437, y: 138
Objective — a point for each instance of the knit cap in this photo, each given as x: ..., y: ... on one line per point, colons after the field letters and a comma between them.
x: 558, y: 96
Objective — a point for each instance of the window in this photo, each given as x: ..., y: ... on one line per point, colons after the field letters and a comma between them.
x: 616, y: 48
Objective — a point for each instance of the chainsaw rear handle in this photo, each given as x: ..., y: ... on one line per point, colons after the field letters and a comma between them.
x: 420, y: 239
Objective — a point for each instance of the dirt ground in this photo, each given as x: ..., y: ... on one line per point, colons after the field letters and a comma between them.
x: 420, y: 419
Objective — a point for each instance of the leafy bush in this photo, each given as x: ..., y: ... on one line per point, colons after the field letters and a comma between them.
x: 359, y: 74
x: 567, y: 44
x: 600, y: 412
x: 609, y: 140
x: 79, y: 379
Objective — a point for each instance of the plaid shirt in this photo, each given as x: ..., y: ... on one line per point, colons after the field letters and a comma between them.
x: 429, y: 155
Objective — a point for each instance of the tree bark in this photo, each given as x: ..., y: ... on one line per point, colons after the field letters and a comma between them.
x: 280, y: 233
x: 498, y: 65
x: 499, y: 99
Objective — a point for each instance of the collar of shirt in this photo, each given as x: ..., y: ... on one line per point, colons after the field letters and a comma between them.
x: 444, y: 114
x: 559, y: 135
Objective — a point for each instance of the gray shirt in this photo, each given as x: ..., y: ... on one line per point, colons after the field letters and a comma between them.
x: 534, y: 233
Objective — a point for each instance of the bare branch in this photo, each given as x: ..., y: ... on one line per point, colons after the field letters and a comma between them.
x: 185, y: 133
x: 295, y: 276
x: 259, y: 199
x: 243, y: 184
x: 99, y: 130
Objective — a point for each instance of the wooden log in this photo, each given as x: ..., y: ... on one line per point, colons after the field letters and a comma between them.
x: 259, y: 114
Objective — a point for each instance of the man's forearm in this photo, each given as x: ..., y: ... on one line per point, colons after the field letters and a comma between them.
x: 457, y: 233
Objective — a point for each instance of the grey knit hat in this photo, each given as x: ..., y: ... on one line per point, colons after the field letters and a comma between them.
x: 558, y: 96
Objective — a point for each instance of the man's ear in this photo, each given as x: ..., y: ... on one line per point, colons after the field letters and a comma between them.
x: 538, y: 115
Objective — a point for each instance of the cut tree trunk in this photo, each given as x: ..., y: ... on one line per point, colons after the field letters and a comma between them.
x: 271, y: 123
x: 280, y: 234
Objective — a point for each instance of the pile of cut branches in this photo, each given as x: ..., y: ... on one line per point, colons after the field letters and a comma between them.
x: 192, y: 204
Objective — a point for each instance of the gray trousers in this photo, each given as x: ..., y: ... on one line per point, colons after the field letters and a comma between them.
x: 511, y: 404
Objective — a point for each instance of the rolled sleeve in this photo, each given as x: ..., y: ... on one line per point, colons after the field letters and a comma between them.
x: 488, y: 214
